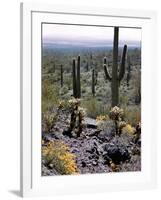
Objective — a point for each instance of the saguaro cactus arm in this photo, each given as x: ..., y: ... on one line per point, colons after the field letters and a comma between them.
x: 107, y: 74
x: 122, y: 66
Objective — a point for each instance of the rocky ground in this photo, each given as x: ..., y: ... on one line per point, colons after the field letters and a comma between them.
x: 95, y: 149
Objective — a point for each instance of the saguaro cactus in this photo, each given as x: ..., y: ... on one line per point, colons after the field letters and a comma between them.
x: 76, y: 78
x: 93, y: 82
x: 87, y: 67
x: 116, y: 76
x: 61, y: 75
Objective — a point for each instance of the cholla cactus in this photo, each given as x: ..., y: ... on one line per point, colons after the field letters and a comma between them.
x: 137, y: 132
x: 121, y: 126
x: 73, y: 103
x: 61, y: 104
x: 77, y: 116
x: 116, y: 114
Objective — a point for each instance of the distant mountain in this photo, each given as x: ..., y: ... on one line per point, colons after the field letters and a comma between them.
x: 86, y: 45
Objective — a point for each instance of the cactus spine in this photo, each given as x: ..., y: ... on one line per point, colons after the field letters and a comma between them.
x: 116, y: 77
x: 76, y: 78
x: 61, y: 75
x: 93, y: 82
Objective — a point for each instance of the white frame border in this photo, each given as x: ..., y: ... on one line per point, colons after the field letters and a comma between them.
x: 26, y: 184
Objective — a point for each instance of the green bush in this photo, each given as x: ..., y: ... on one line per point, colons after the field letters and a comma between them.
x: 50, y: 96
x: 94, y: 108
x: 132, y: 115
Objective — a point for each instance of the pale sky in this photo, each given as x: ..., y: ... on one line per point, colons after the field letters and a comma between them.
x: 65, y: 34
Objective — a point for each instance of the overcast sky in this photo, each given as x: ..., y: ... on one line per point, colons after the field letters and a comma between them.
x: 88, y: 35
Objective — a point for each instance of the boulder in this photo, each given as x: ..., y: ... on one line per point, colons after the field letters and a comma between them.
x: 117, y: 152
x: 90, y: 123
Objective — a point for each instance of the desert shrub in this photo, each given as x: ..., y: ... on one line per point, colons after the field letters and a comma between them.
x: 68, y: 82
x: 124, y: 100
x: 128, y: 129
x: 63, y: 90
x: 132, y: 115
x: 105, y: 124
x: 57, y: 155
x: 94, y: 108
x: 50, y: 95
x: 49, y: 120
x: 102, y: 118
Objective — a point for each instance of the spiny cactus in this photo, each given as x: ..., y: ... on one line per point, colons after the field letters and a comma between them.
x: 76, y: 78
x: 138, y: 132
x: 61, y: 75
x: 77, y: 116
x: 93, y: 82
x: 116, y: 77
x: 87, y: 67
x: 116, y: 114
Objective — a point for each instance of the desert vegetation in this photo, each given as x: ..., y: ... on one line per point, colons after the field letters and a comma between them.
x: 91, y: 109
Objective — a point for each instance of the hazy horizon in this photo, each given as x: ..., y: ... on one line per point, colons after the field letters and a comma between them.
x: 88, y: 36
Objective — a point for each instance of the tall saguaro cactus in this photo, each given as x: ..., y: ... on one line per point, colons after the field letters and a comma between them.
x: 76, y: 78
x: 116, y: 76
x: 61, y: 75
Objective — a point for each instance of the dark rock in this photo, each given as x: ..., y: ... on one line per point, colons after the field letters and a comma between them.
x: 83, y: 164
x: 74, y: 150
x: 67, y: 132
x: 106, y: 135
x: 116, y: 152
x: 138, y: 142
